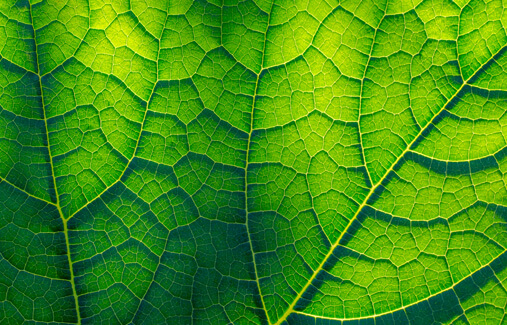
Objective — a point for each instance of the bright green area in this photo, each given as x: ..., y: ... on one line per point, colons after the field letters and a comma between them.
x: 253, y: 162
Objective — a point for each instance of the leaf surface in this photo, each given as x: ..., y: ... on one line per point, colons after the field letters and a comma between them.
x: 253, y: 161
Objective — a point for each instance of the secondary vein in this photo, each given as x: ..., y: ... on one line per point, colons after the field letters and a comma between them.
x: 246, y: 169
x: 376, y: 186
x: 58, y: 206
x: 498, y: 257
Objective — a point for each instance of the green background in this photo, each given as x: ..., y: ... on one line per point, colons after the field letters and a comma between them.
x: 222, y: 161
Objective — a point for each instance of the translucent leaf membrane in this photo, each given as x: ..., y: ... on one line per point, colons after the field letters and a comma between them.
x: 253, y: 162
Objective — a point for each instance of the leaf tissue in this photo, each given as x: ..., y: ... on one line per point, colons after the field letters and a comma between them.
x: 253, y: 162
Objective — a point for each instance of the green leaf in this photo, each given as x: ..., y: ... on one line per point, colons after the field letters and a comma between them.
x: 253, y: 161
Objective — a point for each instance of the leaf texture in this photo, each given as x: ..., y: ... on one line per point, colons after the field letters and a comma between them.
x: 253, y: 162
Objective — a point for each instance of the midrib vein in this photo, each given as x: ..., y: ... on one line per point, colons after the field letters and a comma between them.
x: 127, y: 166
x: 290, y: 309
x: 246, y: 167
x: 58, y: 206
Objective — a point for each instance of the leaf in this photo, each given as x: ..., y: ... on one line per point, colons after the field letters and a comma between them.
x: 253, y: 162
